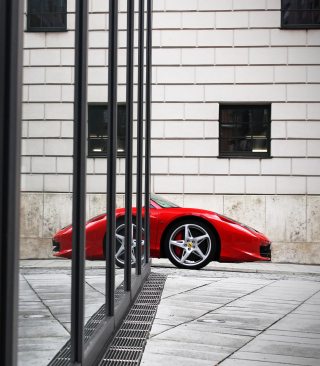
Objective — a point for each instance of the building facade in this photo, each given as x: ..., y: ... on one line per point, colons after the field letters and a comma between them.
x: 235, y: 117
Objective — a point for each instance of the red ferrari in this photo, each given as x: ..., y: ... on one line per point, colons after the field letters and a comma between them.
x: 189, y: 237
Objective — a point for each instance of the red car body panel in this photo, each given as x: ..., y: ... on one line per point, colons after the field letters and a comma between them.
x: 238, y: 243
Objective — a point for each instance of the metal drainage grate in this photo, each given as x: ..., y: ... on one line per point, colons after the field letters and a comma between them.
x: 127, y: 346
x: 129, y: 342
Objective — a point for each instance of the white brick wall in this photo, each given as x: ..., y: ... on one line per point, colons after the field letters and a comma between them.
x: 229, y: 185
x: 291, y: 185
x: 206, y: 52
x: 313, y: 185
x: 259, y: 185
x: 183, y: 166
x: 199, y: 184
x: 232, y: 19
x: 215, y: 38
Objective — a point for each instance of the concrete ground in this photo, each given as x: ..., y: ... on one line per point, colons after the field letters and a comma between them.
x: 252, y: 314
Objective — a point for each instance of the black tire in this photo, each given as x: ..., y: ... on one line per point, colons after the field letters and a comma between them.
x: 119, y: 249
x: 185, y: 252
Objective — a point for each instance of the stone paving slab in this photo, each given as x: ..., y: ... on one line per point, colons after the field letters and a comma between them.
x: 230, y: 317
x: 246, y: 358
x: 259, y: 322
x: 155, y: 359
x: 49, y: 295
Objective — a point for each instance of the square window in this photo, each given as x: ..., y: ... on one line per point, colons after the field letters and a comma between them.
x: 300, y: 14
x: 47, y: 15
x: 98, y: 130
x: 244, y: 131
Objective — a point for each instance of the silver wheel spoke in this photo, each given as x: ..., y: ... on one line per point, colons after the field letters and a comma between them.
x: 200, y: 239
x: 177, y: 243
x: 133, y: 258
x: 120, y: 251
x: 120, y: 238
x: 185, y: 255
x: 187, y: 233
x: 199, y: 253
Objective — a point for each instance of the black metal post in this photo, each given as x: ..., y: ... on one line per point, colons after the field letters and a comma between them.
x: 112, y: 156
x: 140, y: 135
x: 79, y: 184
x: 148, y: 130
x: 11, y: 25
x: 129, y: 135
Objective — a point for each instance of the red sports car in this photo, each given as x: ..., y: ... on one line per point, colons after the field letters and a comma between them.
x: 189, y: 237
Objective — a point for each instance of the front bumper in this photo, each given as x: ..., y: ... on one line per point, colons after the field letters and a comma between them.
x: 55, y: 246
x: 265, y: 251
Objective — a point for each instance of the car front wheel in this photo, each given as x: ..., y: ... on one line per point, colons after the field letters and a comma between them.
x: 120, y: 244
x: 190, y: 244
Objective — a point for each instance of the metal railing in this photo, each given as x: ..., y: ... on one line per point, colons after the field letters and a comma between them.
x: 11, y: 31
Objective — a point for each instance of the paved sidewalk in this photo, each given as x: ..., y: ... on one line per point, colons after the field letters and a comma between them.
x: 236, y: 321
x: 45, y: 310
x: 252, y: 267
x: 244, y: 314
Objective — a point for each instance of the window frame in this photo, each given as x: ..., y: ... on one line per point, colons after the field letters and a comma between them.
x: 120, y: 154
x: 242, y: 154
x: 295, y: 26
x: 46, y: 29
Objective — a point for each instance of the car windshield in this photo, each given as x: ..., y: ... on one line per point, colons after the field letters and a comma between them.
x: 162, y: 202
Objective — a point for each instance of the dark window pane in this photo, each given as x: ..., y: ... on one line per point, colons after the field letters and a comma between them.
x: 305, y: 4
x: 104, y: 128
x: 229, y: 130
x: 54, y: 20
x: 60, y: 20
x: 300, y: 13
x: 259, y: 130
x: 244, y: 130
x: 229, y: 115
x: 52, y: 14
x: 247, y: 129
x: 305, y: 17
x: 95, y: 130
x: 95, y: 114
x: 35, y: 20
x: 35, y: 6
x: 54, y: 6
x: 290, y: 17
x: 48, y: 20
x: 244, y: 115
x: 259, y: 146
x: 121, y: 128
x: 98, y: 129
x: 228, y: 145
x: 259, y: 115
x: 244, y: 144
x: 289, y: 4
x: 97, y: 146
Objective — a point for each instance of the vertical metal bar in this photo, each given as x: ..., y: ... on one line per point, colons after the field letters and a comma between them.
x: 129, y: 135
x: 148, y: 129
x: 11, y: 23
x: 79, y: 183
x: 140, y: 134
x: 112, y: 157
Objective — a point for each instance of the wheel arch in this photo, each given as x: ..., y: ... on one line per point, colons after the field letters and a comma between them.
x: 195, y: 218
